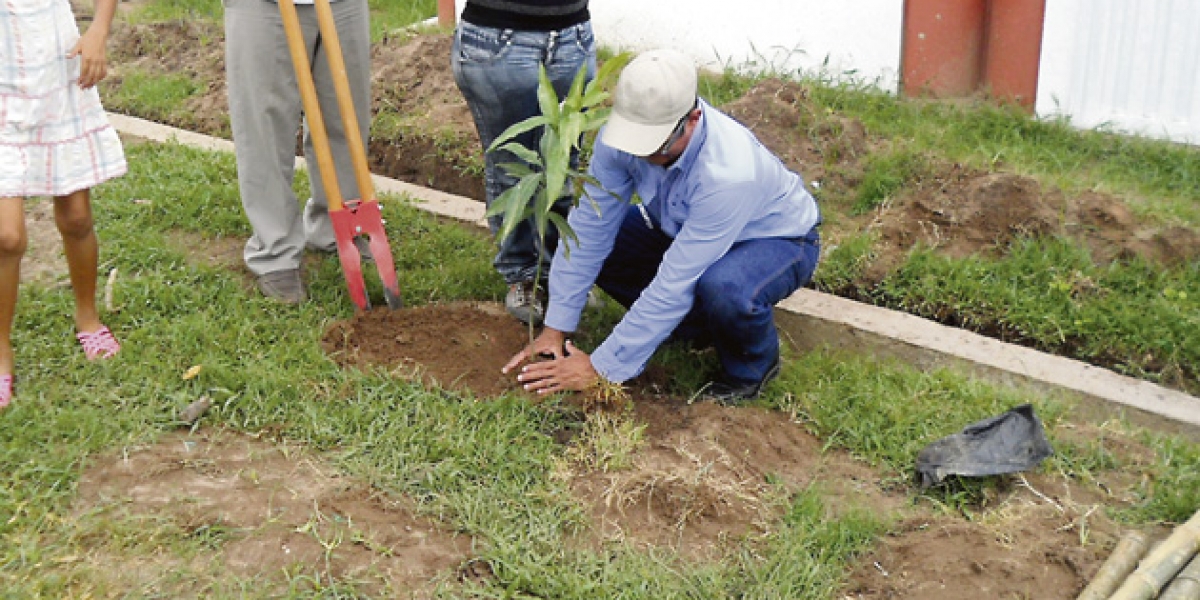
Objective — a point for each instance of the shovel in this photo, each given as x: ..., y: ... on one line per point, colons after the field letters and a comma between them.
x: 350, y: 218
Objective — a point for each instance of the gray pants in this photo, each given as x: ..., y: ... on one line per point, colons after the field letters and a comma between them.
x: 265, y: 111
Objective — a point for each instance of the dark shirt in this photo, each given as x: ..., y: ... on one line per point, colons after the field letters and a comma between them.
x: 526, y: 15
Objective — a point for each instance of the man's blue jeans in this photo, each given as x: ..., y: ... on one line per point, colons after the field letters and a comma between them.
x: 735, y: 298
x: 497, y: 72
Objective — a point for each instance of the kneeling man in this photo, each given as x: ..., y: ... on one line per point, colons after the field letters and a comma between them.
x: 695, y: 227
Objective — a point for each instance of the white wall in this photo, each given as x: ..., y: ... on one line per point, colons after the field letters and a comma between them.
x: 1132, y: 66
x: 860, y: 38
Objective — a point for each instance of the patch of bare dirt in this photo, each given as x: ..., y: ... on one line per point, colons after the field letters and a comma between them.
x: 278, y: 510
x: 709, y: 477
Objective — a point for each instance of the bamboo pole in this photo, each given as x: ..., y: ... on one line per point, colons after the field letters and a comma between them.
x: 1123, y: 560
x: 1186, y: 585
x: 1160, y: 567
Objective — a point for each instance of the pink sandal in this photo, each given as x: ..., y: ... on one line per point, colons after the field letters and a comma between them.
x: 6, y: 390
x: 99, y: 344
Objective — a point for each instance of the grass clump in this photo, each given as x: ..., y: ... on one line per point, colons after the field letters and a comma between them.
x: 886, y: 174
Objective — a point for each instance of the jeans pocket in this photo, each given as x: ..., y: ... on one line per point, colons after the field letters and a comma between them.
x: 481, y: 45
x: 585, y: 39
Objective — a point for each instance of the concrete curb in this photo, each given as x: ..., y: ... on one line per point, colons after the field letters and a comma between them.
x: 813, y: 319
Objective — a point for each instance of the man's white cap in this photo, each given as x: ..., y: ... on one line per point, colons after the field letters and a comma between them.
x: 653, y: 93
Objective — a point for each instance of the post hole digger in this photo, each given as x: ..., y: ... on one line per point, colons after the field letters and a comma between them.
x: 352, y: 218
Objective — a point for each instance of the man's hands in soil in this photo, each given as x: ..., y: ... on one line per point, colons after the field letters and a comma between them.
x: 560, y: 366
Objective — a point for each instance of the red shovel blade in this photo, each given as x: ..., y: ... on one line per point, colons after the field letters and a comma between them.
x: 357, y: 218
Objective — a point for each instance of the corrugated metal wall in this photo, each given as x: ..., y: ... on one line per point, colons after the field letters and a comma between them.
x: 1131, y: 65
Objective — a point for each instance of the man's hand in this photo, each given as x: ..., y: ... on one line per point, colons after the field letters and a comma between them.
x: 548, y: 344
x: 570, y: 369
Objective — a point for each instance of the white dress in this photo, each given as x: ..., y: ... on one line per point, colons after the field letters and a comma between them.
x: 54, y: 137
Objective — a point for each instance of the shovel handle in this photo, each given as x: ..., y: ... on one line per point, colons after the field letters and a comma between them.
x: 345, y: 100
x: 312, y: 107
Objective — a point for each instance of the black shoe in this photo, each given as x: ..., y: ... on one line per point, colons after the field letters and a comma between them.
x: 735, y: 394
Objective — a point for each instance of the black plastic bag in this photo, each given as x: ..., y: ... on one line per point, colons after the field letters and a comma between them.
x: 1011, y: 442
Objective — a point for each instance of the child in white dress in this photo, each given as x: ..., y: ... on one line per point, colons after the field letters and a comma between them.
x: 55, y: 140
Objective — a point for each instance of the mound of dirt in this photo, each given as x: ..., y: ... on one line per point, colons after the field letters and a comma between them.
x: 453, y: 346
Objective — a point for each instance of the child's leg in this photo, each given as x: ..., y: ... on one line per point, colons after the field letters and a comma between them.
x: 13, y: 241
x: 73, y: 215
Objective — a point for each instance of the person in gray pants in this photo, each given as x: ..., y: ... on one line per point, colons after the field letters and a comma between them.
x: 265, y: 111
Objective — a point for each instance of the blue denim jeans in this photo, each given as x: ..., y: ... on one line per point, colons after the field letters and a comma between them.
x: 497, y: 72
x: 735, y: 298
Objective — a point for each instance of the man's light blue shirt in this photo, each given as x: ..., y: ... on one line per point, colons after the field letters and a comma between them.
x: 726, y: 187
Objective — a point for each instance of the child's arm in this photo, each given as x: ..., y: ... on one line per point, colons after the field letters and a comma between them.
x: 94, y: 65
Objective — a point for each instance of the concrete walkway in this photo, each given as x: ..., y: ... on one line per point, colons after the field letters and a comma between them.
x: 813, y: 319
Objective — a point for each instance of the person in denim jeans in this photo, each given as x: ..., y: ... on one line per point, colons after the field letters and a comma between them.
x: 498, y: 48
x: 722, y: 233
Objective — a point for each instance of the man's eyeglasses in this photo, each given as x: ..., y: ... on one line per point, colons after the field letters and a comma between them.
x: 680, y: 127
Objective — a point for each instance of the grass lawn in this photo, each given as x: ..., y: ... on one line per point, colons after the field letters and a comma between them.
x: 508, y: 478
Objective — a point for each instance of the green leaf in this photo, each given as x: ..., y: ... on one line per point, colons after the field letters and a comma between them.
x: 574, y: 100
x: 564, y: 231
x: 571, y: 130
x: 514, y: 204
x: 558, y: 160
x: 516, y: 169
x: 547, y: 98
x: 523, y: 153
x: 595, y: 118
x: 517, y: 129
x: 608, y: 71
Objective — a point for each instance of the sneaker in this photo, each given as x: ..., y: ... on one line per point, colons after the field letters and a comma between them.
x: 525, y: 304
x: 285, y: 286
x: 731, y: 394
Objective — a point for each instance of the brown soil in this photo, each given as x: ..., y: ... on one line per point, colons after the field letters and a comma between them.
x: 700, y: 481
x: 277, y: 508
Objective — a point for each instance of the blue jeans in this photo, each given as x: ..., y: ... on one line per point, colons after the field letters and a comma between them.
x: 735, y: 298
x: 497, y: 72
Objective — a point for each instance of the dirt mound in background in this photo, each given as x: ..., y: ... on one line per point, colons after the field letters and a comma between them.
x: 957, y: 210
x: 435, y: 145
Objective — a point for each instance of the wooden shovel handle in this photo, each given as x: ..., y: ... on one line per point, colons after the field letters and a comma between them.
x: 312, y: 107
x: 345, y: 100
